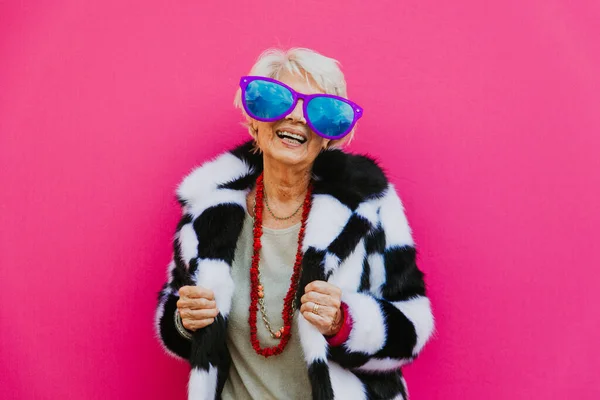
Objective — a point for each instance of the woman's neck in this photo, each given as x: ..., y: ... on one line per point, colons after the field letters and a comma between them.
x: 285, y: 188
x: 285, y: 184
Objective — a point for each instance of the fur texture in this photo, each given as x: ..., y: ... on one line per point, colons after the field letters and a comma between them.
x: 357, y: 237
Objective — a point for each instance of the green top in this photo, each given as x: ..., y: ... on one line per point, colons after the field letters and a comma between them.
x: 253, y: 376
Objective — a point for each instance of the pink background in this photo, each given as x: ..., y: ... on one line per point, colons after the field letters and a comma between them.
x: 485, y: 114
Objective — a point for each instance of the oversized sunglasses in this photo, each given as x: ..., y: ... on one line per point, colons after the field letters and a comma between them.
x: 329, y: 116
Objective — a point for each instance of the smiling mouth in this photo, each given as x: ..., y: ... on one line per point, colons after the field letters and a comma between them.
x: 290, y: 137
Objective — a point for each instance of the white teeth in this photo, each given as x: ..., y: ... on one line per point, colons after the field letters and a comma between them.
x: 299, y: 138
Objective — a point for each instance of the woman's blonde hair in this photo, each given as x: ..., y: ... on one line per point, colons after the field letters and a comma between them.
x: 308, y: 63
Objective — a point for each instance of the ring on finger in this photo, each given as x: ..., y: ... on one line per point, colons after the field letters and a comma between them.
x: 315, y: 309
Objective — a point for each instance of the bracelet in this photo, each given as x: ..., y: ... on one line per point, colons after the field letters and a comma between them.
x: 180, y: 328
x: 335, y: 325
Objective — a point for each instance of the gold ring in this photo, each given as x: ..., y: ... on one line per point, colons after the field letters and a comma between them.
x: 315, y: 309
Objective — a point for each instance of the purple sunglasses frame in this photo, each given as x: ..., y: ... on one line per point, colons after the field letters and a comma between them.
x: 306, y: 98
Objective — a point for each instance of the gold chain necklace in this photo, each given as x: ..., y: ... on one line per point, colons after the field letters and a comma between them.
x: 281, y: 218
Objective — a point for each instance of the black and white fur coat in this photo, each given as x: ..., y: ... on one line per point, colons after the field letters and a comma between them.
x: 357, y: 238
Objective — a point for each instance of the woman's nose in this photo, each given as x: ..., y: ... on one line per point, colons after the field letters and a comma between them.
x: 297, y: 113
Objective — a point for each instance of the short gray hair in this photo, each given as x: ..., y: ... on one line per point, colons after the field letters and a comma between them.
x: 323, y: 70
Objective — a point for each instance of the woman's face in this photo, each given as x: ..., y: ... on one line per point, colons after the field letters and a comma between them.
x: 290, y: 140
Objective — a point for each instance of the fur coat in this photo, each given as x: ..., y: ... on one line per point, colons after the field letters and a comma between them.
x: 357, y: 238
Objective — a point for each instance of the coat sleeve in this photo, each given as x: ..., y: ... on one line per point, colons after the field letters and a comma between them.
x: 178, y: 274
x: 391, y: 315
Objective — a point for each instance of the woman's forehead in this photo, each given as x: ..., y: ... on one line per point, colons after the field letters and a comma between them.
x: 302, y: 83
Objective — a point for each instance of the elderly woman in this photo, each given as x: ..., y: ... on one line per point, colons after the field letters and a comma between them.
x: 293, y: 275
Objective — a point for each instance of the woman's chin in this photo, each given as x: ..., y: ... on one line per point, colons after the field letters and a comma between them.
x: 291, y: 154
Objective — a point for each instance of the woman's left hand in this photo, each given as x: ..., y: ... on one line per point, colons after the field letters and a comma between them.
x: 321, y: 307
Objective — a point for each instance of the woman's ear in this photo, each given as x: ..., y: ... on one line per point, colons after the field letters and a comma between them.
x: 253, y: 125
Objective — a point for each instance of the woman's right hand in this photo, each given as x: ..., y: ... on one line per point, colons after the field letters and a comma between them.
x: 197, y: 307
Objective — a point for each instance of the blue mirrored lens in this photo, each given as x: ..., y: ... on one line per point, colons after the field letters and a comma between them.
x: 267, y: 100
x: 329, y: 116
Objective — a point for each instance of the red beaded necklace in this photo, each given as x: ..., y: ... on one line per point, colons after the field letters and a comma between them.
x: 256, y: 289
